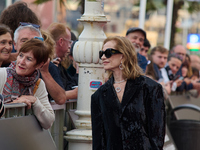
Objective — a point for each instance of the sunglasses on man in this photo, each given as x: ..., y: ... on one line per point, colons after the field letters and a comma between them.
x: 27, y: 23
x: 108, y: 52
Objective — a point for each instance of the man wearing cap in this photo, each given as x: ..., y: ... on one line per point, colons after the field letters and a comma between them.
x: 137, y: 36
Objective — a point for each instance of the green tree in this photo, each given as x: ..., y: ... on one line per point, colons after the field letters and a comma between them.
x: 62, y: 3
x: 153, y: 5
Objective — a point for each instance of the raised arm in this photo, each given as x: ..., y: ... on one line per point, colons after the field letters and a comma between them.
x: 54, y: 89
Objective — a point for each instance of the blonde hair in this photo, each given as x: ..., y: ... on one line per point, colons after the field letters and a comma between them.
x: 50, y: 43
x: 131, y: 70
x: 58, y: 30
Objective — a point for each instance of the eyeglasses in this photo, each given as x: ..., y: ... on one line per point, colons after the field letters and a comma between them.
x: 70, y: 41
x: 108, y: 52
x: 27, y: 23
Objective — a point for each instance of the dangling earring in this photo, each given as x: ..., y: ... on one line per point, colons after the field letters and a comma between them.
x: 120, y: 66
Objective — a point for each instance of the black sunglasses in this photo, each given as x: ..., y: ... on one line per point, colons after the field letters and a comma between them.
x: 108, y: 52
x: 27, y: 23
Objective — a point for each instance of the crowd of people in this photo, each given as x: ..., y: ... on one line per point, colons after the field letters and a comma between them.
x: 31, y: 61
x: 128, y: 111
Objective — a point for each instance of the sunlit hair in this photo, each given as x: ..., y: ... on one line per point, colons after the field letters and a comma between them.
x: 50, y: 43
x: 38, y: 48
x: 30, y: 27
x: 160, y: 49
x: 5, y: 29
x: 58, y: 30
x: 131, y: 70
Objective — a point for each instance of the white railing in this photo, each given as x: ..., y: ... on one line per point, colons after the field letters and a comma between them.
x: 62, y: 120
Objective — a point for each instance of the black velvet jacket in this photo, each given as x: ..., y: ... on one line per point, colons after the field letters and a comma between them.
x: 137, y: 123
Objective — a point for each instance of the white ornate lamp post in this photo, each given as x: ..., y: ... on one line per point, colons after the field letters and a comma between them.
x: 91, y: 73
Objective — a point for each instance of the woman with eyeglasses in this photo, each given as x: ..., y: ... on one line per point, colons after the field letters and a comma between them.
x: 20, y: 82
x: 128, y: 111
x: 6, y: 41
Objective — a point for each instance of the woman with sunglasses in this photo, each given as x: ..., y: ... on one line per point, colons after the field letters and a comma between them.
x: 128, y: 111
x: 20, y: 82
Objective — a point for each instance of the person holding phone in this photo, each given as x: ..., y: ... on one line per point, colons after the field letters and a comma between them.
x: 177, y: 82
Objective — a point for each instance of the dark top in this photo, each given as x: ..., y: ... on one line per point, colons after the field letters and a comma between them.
x: 55, y: 73
x: 157, y: 72
x: 137, y: 123
x: 71, y: 70
x: 142, y: 61
x: 67, y: 80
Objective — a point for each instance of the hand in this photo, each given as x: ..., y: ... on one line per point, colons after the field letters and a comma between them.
x: 57, y: 61
x: 167, y: 86
x: 178, y: 82
x: 45, y: 67
x: 162, y: 83
x: 187, y: 81
x: 28, y: 99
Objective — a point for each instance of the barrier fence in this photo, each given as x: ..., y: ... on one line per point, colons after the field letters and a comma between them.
x: 59, y: 125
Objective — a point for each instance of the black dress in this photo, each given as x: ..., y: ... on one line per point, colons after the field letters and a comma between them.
x: 137, y: 123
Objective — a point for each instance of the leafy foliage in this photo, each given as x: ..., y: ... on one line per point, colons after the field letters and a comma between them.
x: 43, y: 1
x: 193, y: 7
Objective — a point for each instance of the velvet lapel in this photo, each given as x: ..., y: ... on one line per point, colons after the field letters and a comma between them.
x: 109, y: 95
x: 132, y: 89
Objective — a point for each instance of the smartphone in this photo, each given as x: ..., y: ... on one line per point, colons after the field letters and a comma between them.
x: 56, y: 59
x: 181, y: 78
x: 176, y: 77
x: 74, y: 87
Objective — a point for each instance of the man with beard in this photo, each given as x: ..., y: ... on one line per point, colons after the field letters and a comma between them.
x: 137, y: 36
x: 159, y: 57
x: 62, y: 36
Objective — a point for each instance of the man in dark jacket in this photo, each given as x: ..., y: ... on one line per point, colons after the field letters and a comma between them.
x: 62, y: 36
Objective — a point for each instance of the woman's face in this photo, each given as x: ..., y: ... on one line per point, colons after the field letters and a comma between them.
x: 5, y: 46
x: 26, y: 64
x: 114, y: 61
x: 184, y: 71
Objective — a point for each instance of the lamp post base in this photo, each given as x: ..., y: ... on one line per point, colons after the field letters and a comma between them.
x: 79, y: 139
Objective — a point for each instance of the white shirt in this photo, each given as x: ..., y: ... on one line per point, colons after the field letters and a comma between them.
x: 166, y: 79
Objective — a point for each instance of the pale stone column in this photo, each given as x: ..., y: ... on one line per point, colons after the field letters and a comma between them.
x: 91, y: 73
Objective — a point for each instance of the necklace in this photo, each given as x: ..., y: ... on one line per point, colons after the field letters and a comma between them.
x: 120, y: 81
x: 118, y: 89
